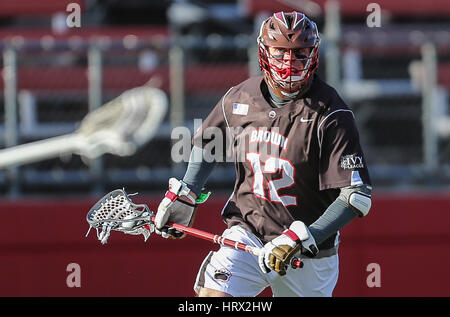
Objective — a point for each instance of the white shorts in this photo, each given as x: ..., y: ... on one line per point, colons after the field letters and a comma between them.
x: 237, y: 272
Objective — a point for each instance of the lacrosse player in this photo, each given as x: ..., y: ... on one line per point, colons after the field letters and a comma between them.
x: 301, y: 175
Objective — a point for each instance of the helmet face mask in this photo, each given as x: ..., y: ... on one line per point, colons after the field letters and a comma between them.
x: 288, y: 53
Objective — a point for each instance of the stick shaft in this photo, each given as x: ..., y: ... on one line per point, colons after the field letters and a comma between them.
x: 214, y: 238
x: 39, y: 150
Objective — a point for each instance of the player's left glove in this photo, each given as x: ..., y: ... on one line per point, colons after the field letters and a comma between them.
x: 278, y: 253
x: 178, y: 205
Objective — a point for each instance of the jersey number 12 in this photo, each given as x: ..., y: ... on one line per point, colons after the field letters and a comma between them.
x: 272, y: 165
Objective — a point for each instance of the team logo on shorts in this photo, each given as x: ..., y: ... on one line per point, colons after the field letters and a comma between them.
x: 222, y: 275
x: 351, y: 161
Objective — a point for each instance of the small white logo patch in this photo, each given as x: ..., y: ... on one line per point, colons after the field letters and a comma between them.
x: 352, y: 161
x: 305, y: 120
x: 240, y: 109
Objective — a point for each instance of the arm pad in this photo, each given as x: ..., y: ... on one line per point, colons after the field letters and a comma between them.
x: 359, y: 198
x: 341, y: 212
x: 360, y: 202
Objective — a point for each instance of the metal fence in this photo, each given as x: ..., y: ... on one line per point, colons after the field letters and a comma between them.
x: 395, y: 79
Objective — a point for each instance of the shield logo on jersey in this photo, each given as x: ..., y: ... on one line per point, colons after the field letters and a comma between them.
x: 352, y: 162
x: 222, y: 275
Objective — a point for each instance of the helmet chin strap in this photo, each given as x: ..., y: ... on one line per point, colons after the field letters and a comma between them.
x: 276, y: 101
x: 286, y: 80
x: 292, y: 95
x: 287, y: 96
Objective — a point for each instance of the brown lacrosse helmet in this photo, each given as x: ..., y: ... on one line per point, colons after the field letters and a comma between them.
x: 288, y: 74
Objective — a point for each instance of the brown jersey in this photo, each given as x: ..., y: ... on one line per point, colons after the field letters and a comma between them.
x: 290, y: 161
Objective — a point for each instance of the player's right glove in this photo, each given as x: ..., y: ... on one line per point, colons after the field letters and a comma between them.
x: 178, y: 205
x: 278, y: 253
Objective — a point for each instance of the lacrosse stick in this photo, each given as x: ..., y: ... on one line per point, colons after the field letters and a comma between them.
x: 116, y: 211
x: 118, y: 127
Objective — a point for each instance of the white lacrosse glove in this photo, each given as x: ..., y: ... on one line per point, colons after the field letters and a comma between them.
x: 178, y: 206
x: 278, y: 253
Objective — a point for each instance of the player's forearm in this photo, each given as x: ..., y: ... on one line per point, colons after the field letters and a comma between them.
x: 353, y: 201
x: 198, y: 170
x: 337, y: 216
x: 340, y: 213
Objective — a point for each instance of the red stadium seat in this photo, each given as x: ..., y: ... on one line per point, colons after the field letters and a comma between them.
x: 352, y: 8
x: 444, y: 75
x: 34, y: 8
x: 198, y: 78
x: 112, y: 32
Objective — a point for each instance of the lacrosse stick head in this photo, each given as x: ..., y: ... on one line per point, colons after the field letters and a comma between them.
x: 115, y: 211
x: 123, y: 124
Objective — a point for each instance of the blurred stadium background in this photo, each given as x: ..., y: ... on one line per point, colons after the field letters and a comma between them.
x: 395, y: 77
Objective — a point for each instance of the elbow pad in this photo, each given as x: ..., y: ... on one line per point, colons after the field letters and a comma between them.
x: 359, y: 198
